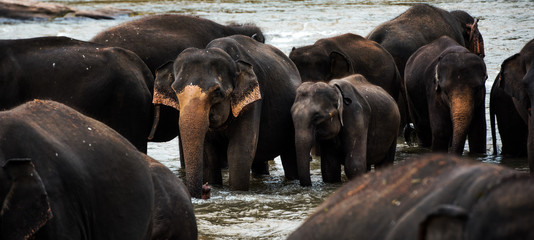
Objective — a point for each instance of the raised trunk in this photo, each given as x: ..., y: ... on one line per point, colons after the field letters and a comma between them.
x: 304, y: 140
x: 194, y: 123
x: 462, y: 107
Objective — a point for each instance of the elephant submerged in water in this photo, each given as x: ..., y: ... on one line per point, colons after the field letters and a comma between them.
x: 67, y: 176
x: 445, y: 89
x: 109, y: 84
x: 234, y: 99
x: 431, y: 197
x: 354, y: 122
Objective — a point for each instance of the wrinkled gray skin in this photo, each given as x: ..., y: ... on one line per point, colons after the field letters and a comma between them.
x: 429, y: 197
x: 234, y: 99
x: 354, y: 122
x: 521, y: 87
x: 512, y: 118
x: 446, y: 94
x: 422, y: 24
x: 66, y: 176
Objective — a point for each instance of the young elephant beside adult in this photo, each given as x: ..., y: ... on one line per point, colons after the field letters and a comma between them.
x: 234, y: 99
x: 512, y: 118
x: 68, y: 176
x: 432, y: 197
x: 446, y: 94
x: 344, y: 55
x: 519, y: 84
x: 422, y: 24
x: 109, y: 84
x: 354, y: 122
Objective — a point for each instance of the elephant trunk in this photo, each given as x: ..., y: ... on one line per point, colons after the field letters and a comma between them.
x: 194, y: 124
x: 462, y: 107
x: 304, y: 141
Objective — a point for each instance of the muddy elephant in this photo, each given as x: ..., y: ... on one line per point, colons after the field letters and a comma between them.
x: 344, y: 55
x: 512, y: 118
x: 234, y: 99
x: 430, y: 197
x: 446, y: 94
x: 109, y: 84
x: 75, y: 178
x: 354, y: 122
x: 422, y: 24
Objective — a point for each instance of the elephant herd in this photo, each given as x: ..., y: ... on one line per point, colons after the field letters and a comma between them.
x: 235, y: 102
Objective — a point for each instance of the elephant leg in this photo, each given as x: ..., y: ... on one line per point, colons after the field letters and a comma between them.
x: 212, y: 164
x: 330, y: 165
x: 289, y: 162
x: 243, y: 140
x: 389, y: 158
x: 260, y: 167
x: 180, y: 149
x: 477, y: 131
x: 441, y: 128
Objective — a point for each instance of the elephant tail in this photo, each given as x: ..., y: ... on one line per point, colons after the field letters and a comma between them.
x: 492, y: 122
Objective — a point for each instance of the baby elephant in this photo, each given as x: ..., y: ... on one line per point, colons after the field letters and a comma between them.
x: 354, y: 123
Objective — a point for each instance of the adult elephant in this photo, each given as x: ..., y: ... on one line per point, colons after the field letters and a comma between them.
x: 422, y: 24
x: 75, y: 178
x: 234, y: 99
x: 431, y: 197
x: 446, y: 94
x: 354, y: 122
x: 159, y: 39
x: 512, y: 117
x: 109, y: 84
x: 521, y: 87
x: 344, y: 55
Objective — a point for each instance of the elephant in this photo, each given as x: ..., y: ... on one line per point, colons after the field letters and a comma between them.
x: 512, y: 118
x: 234, y: 99
x: 445, y: 89
x: 433, y: 196
x: 354, y: 122
x: 520, y: 85
x: 344, y: 55
x: 420, y: 25
x: 160, y: 38
x: 109, y: 84
x: 167, y: 35
x: 67, y: 176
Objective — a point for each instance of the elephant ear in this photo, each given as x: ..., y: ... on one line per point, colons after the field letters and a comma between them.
x: 163, y: 92
x: 510, y: 80
x: 446, y: 222
x: 26, y: 208
x: 246, y: 89
x: 437, y: 84
x: 340, y: 65
x: 475, y: 44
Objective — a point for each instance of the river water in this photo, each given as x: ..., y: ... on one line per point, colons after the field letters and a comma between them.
x: 273, y: 208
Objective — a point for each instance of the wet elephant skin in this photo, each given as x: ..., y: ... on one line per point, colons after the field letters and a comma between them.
x: 68, y: 176
x: 426, y: 197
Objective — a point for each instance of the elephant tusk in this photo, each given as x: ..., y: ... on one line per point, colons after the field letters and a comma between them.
x: 155, y: 122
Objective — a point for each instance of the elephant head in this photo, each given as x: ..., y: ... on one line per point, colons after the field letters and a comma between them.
x: 25, y: 206
x: 317, y: 113
x: 209, y: 89
x: 460, y: 87
x: 316, y: 64
x: 472, y: 36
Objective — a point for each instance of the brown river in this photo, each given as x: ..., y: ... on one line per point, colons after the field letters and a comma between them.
x: 273, y: 207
